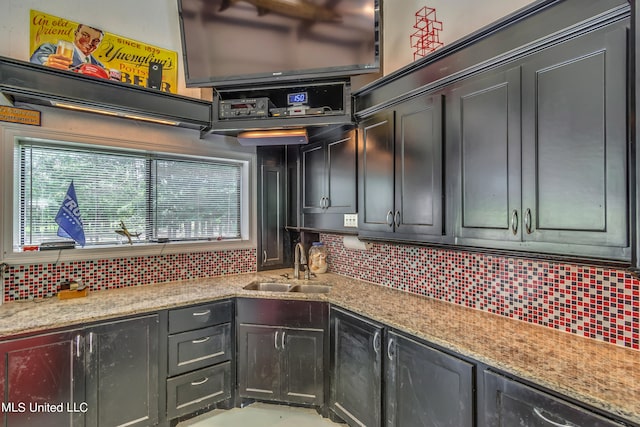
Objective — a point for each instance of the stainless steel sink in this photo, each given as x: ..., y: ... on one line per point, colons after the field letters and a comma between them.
x: 311, y: 289
x: 269, y: 286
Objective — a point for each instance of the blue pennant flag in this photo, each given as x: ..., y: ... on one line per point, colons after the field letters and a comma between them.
x: 68, y: 217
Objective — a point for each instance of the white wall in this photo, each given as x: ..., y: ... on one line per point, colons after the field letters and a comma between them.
x: 459, y: 19
x: 153, y: 22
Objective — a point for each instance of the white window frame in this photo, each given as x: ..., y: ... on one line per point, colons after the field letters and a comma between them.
x: 181, y: 146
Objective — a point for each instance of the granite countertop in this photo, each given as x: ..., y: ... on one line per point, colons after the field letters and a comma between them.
x: 602, y: 375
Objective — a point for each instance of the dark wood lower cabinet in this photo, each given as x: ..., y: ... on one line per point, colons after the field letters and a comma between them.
x: 509, y: 403
x: 41, y: 370
x: 426, y: 387
x: 281, y: 350
x: 281, y: 364
x: 356, y: 369
x: 104, y: 375
x: 200, y: 358
x: 122, y: 379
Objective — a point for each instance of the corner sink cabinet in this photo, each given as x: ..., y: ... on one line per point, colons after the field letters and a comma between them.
x: 87, y: 371
x: 281, y: 350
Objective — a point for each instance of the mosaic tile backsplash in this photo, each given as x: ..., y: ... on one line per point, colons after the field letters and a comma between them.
x: 42, y: 280
x: 595, y: 302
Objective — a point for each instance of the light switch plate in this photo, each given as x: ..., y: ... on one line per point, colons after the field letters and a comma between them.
x: 351, y: 220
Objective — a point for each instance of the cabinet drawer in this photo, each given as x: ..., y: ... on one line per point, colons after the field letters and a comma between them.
x: 200, y: 316
x: 193, y: 391
x: 509, y: 403
x: 196, y: 349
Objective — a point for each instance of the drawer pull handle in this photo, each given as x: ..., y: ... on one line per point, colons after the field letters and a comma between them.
x: 539, y: 414
x: 200, y: 382
x: 202, y: 313
x: 201, y: 340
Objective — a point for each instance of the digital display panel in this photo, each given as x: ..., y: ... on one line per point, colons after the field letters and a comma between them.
x: 297, y: 98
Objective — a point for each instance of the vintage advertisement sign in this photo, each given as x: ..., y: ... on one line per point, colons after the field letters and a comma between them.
x: 20, y: 115
x: 83, y: 48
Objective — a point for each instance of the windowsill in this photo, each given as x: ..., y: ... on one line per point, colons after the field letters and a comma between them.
x: 124, y: 251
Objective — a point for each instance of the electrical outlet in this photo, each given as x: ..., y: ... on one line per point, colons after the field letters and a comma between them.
x: 351, y: 220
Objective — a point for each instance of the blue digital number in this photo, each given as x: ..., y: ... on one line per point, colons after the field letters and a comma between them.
x: 298, y: 98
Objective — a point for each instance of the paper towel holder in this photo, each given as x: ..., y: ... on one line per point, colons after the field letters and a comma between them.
x: 353, y: 242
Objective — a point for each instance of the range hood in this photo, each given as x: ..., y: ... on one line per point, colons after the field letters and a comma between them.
x: 36, y: 84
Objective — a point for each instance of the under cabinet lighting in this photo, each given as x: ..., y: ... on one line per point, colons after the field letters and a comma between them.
x: 273, y: 137
x: 105, y: 112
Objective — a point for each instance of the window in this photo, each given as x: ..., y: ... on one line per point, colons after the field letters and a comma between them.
x: 156, y: 197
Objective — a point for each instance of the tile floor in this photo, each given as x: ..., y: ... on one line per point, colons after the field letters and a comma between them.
x: 261, y: 415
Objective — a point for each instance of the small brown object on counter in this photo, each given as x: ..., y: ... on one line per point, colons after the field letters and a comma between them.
x: 69, y: 293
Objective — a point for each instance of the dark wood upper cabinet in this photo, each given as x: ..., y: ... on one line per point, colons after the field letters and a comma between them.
x: 485, y: 128
x: 401, y: 171
x: 574, y: 141
x: 540, y: 151
x: 271, y: 197
x: 329, y: 180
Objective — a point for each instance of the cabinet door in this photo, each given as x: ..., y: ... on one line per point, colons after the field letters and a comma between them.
x: 425, y: 387
x: 302, y: 365
x: 509, y: 403
x: 122, y: 365
x: 356, y: 369
x: 44, y: 370
x: 375, y: 173
x: 341, y: 174
x: 313, y: 178
x: 485, y: 129
x: 271, y: 216
x: 574, y: 166
x: 418, y: 166
x: 258, y: 362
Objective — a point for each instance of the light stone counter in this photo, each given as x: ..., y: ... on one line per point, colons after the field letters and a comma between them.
x: 602, y: 375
